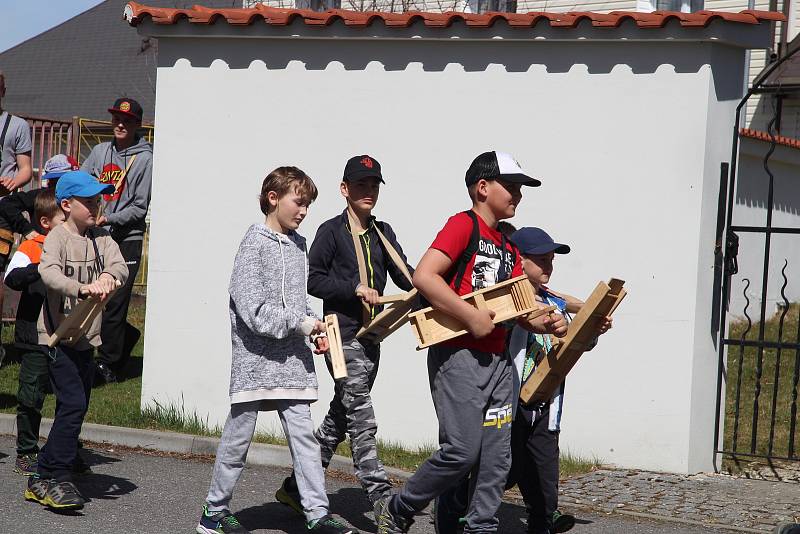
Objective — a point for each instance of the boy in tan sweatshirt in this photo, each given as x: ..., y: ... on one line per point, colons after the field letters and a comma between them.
x: 78, y: 261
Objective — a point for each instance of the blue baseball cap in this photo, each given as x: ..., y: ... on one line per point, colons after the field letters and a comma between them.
x: 535, y: 241
x: 80, y: 184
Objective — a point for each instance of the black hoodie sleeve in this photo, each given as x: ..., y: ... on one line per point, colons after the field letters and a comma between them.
x: 321, y: 283
x: 21, y: 277
x: 12, y: 208
x: 397, y: 275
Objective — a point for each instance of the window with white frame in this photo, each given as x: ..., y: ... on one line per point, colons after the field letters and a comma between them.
x: 482, y: 6
x: 318, y: 5
x: 685, y: 6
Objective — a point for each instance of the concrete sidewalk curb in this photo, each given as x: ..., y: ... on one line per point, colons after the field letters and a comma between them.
x: 259, y: 453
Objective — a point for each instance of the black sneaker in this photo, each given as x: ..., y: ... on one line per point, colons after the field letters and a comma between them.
x: 53, y: 494
x: 80, y: 467
x: 105, y: 373
x: 446, y: 520
x: 289, y: 495
x: 330, y: 525
x: 562, y: 522
x: 787, y: 528
x: 388, y: 523
x: 223, y: 522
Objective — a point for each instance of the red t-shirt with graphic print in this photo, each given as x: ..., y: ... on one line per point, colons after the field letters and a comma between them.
x: 481, y: 271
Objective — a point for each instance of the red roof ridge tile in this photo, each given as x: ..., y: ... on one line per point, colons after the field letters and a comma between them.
x: 761, y: 135
x: 276, y: 16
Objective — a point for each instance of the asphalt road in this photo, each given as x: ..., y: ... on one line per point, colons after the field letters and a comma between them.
x: 140, y: 493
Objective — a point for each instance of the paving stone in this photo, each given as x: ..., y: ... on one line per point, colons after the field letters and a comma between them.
x: 706, y: 498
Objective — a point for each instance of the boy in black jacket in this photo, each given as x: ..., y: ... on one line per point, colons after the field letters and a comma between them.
x: 334, y: 277
x: 23, y: 275
x: 14, y: 207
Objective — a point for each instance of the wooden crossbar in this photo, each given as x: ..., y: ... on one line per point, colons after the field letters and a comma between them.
x: 509, y: 300
x: 551, y: 371
x: 6, y: 242
x: 392, y: 317
x: 78, y: 322
x: 335, y: 350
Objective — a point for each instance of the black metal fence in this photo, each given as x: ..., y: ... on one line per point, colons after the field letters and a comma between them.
x: 759, y: 343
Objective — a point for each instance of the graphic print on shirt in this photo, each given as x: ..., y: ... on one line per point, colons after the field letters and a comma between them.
x: 486, y: 268
x: 85, y: 272
x: 112, y: 174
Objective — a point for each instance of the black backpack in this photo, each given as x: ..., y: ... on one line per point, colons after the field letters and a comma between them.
x: 455, y: 275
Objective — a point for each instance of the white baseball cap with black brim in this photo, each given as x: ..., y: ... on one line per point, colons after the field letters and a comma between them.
x: 498, y: 166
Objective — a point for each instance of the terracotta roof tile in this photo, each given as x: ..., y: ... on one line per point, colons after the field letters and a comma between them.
x: 135, y: 13
x: 791, y: 142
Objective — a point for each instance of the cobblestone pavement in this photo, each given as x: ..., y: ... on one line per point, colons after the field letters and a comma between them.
x: 708, y: 499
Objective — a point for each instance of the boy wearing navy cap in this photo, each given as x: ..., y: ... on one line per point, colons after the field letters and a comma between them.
x: 535, y: 431
x: 78, y: 260
x: 334, y: 276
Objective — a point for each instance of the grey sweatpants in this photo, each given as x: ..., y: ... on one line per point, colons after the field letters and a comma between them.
x: 299, y: 430
x: 351, y: 413
x: 472, y: 394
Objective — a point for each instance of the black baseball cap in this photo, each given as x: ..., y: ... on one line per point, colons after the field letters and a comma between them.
x: 535, y: 241
x: 498, y: 166
x: 127, y: 106
x: 362, y: 166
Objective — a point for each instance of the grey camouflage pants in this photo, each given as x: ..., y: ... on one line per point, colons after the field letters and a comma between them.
x: 351, y: 413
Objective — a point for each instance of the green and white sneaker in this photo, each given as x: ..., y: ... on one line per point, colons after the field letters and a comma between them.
x: 223, y: 522
x: 562, y: 522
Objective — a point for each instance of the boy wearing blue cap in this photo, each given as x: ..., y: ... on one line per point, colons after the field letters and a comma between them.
x: 78, y: 260
x: 535, y: 431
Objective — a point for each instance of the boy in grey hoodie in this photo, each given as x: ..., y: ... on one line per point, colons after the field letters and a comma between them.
x: 126, y: 162
x: 272, y: 366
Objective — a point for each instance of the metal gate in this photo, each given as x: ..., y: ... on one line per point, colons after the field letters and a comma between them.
x: 755, y: 308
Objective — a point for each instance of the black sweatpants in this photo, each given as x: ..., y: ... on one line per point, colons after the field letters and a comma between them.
x: 71, y: 374
x: 534, y: 466
x: 115, y: 332
x: 33, y: 378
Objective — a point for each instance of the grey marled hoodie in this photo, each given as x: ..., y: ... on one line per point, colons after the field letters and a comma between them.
x: 271, y: 319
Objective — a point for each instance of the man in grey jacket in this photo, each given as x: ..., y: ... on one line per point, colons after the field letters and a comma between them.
x: 126, y: 162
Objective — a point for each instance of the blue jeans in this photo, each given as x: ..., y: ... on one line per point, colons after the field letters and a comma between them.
x: 71, y: 373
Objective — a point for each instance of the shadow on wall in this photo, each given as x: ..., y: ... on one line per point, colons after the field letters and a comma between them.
x: 511, y: 56
x: 752, y: 185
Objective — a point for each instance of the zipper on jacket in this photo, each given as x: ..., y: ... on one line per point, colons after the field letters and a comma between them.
x: 370, y: 269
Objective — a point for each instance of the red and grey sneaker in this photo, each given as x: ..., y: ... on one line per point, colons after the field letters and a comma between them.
x: 223, y: 522
x: 27, y: 464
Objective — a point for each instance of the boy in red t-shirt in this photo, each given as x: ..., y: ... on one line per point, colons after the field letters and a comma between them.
x: 470, y: 376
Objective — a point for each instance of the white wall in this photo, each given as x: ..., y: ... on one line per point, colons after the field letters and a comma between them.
x: 628, y: 150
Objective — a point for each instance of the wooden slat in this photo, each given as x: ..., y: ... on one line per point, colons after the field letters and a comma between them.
x: 391, y: 318
x: 336, y: 352
x: 510, y: 299
x: 77, y: 323
x: 552, y: 370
